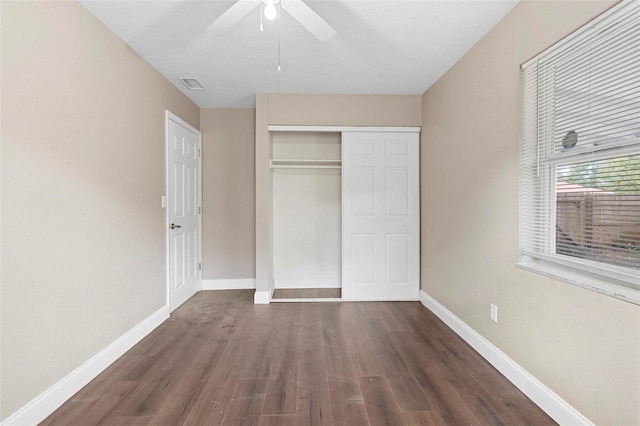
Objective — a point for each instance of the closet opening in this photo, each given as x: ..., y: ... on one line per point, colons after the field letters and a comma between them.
x: 306, y: 216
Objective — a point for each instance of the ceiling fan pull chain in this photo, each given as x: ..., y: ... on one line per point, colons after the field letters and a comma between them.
x: 279, y: 38
x: 261, y: 13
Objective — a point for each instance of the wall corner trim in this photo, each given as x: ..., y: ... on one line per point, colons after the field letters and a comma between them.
x: 557, y: 408
x: 50, y: 400
x: 262, y: 298
x: 231, y: 284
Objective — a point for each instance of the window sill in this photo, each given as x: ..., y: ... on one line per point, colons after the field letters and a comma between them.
x: 587, y: 280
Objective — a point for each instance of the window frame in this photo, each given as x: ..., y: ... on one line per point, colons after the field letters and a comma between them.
x: 614, y: 280
x: 628, y: 277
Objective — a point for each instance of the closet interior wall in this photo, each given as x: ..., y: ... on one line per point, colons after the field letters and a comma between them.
x: 306, y: 209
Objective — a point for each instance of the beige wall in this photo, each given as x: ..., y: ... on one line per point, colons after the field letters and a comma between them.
x: 228, y: 198
x: 344, y: 110
x: 83, y: 159
x: 314, y: 110
x: 581, y: 344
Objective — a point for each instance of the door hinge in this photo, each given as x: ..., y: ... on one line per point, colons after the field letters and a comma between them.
x: 199, y: 153
x: 199, y: 210
x: 199, y: 266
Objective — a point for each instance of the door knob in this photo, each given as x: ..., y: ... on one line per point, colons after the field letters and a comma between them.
x: 174, y: 226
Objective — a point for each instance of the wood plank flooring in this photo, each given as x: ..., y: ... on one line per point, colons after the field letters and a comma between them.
x: 220, y: 360
x: 307, y: 293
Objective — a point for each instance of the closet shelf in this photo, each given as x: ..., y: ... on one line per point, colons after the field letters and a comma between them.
x: 297, y: 163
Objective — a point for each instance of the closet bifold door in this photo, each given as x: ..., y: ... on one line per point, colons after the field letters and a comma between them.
x: 380, y: 216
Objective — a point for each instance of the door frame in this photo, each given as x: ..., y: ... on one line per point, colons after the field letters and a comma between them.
x: 169, y: 116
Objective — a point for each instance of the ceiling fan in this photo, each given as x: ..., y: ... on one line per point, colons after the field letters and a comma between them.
x: 296, y: 8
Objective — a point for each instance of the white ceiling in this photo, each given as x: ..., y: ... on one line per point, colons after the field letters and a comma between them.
x: 381, y: 47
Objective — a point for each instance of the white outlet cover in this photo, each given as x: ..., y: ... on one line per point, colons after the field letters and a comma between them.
x: 494, y: 313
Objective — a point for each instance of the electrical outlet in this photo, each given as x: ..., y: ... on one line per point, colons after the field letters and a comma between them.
x: 494, y: 313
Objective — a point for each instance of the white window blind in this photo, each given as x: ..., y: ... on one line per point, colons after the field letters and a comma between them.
x: 580, y: 149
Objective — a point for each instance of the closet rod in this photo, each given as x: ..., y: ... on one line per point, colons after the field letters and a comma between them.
x: 295, y: 161
x: 305, y: 160
x: 304, y: 166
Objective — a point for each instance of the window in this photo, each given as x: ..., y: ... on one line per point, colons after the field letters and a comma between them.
x: 580, y: 156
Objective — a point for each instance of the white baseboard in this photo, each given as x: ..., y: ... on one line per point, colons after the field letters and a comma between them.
x: 557, y: 408
x: 262, y: 297
x: 50, y: 400
x: 307, y: 283
x: 235, y: 284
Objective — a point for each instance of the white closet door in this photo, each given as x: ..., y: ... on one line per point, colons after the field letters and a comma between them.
x: 380, y: 213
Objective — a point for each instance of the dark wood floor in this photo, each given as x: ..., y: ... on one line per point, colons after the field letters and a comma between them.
x: 307, y: 293
x: 220, y: 359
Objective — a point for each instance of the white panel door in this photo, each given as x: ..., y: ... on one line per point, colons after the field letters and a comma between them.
x: 381, y: 216
x: 183, y: 144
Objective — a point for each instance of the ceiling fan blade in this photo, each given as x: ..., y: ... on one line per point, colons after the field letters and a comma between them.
x: 234, y: 14
x: 309, y: 19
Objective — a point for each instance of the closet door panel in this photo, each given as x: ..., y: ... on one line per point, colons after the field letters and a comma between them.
x: 364, y: 258
x: 397, y: 251
x: 380, y: 199
x: 364, y: 191
x: 397, y: 188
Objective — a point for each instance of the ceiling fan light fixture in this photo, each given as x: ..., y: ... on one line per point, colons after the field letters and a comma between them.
x: 270, y: 11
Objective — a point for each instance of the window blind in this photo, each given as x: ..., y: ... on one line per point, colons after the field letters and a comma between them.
x: 580, y: 148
